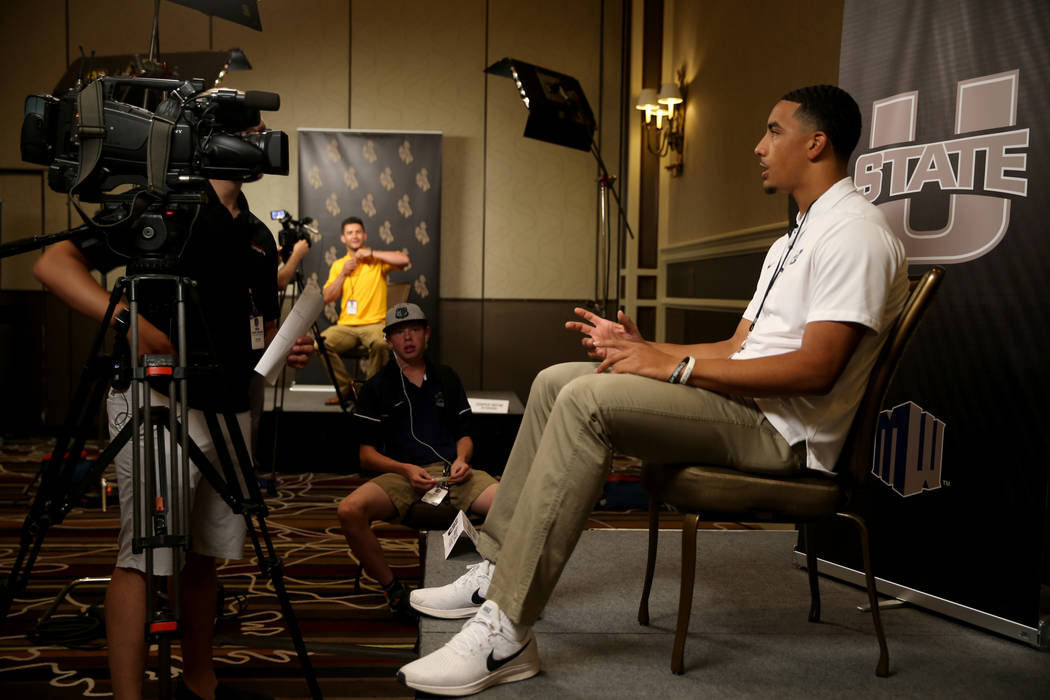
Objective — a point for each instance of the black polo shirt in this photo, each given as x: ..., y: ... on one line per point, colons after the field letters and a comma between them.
x: 233, y: 262
x: 404, y: 421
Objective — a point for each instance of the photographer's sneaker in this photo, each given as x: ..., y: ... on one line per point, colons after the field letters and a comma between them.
x: 461, y: 598
x: 489, y: 650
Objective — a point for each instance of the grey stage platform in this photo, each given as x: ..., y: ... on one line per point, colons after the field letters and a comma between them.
x: 749, y: 635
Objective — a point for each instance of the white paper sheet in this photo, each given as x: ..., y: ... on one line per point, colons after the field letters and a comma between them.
x: 302, y: 316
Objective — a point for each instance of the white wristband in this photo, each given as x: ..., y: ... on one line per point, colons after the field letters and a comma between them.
x: 683, y: 378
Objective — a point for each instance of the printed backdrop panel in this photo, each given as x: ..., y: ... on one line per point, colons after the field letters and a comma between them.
x: 954, y: 100
x: 392, y: 181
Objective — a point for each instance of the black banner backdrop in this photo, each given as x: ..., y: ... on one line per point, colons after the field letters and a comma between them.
x: 392, y: 181
x: 953, y: 150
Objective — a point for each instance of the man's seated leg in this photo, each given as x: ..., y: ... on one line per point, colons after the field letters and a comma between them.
x: 366, y: 504
x: 490, y: 649
x: 464, y: 596
x: 483, y: 502
x: 373, y: 338
x: 338, y: 340
x: 457, y: 598
x: 356, y: 512
x: 590, y: 416
x: 458, y: 668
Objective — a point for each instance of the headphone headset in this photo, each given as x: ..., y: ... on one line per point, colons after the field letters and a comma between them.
x: 412, y: 428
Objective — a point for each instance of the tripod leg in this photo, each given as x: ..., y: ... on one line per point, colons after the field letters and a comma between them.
x: 242, y: 488
x: 322, y: 350
x: 57, y: 492
x: 300, y: 285
x: 272, y: 486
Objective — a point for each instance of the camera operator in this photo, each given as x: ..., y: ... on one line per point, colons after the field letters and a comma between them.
x: 235, y: 284
x: 286, y: 273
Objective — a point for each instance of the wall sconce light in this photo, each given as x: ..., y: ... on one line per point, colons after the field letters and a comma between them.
x: 664, y: 125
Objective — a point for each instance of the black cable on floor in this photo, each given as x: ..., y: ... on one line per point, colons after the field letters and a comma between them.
x: 85, y: 630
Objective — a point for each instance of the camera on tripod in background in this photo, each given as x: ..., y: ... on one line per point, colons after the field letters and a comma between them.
x: 293, y: 231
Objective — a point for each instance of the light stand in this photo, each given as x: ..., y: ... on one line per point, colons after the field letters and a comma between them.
x: 280, y: 387
x: 559, y: 114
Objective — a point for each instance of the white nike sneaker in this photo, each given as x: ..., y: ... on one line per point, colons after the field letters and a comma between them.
x: 461, y: 598
x: 489, y: 650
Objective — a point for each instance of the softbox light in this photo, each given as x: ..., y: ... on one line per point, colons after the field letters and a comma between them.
x: 243, y: 12
x: 558, y: 109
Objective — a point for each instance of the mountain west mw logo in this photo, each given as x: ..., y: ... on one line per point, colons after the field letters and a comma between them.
x: 977, y: 216
x: 908, y: 447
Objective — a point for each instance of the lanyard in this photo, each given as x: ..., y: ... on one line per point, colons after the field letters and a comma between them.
x: 780, y: 267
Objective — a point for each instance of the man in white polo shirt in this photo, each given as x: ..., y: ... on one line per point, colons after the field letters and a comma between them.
x: 775, y: 398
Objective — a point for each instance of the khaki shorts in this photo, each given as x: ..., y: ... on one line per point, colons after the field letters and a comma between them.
x: 216, y: 530
x: 403, y: 496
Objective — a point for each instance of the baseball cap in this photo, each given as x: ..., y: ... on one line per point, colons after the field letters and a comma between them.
x: 403, y: 313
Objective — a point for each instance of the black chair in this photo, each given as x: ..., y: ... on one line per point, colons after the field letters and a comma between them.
x: 720, y: 493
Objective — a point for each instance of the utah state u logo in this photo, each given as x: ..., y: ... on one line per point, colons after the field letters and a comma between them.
x: 980, y: 170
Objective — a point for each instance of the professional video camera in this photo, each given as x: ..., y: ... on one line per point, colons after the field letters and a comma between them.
x: 292, y: 231
x: 94, y: 143
x: 161, y: 161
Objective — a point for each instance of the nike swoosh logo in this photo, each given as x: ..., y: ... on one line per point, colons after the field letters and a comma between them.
x: 493, y: 665
x: 476, y: 597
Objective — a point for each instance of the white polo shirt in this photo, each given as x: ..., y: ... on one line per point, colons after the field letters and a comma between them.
x: 846, y: 265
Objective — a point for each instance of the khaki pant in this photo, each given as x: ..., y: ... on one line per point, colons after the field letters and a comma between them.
x: 573, y: 422
x: 340, y: 339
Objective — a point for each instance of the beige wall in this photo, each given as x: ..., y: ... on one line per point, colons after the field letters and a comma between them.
x: 302, y: 54
x: 517, y: 215
x: 418, y: 67
x: 29, y: 37
x: 739, y: 58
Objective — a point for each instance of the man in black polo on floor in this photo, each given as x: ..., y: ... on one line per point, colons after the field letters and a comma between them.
x: 412, y: 421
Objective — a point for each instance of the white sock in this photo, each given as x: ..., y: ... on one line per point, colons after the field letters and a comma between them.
x: 512, y: 629
x: 483, y: 589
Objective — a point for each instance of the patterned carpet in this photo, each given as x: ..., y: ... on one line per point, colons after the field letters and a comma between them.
x: 356, y: 646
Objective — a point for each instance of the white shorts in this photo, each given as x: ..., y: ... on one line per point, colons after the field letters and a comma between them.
x: 215, y: 530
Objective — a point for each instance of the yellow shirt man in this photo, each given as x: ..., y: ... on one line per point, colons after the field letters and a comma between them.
x: 358, y: 281
x: 363, y: 297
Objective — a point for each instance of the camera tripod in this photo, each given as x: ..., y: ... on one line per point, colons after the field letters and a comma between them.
x: 279, y: 388
x: 159, y: 435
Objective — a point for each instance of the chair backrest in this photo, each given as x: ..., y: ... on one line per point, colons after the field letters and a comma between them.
x: 855, y: 460
x: 397, y: 293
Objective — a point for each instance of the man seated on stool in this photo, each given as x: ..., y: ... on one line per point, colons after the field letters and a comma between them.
x: 412, y: 421
x: 358, y: 281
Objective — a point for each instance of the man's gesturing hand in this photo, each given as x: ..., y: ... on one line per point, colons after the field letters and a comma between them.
x: 599, y: 329
x: 633, y: 357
